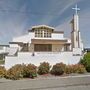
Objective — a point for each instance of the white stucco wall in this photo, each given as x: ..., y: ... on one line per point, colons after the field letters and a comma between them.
x: 76, y: 22
x: 13, y: 45
x: 31, y: 35
x: 77, y: 51
x: 57, y: 36
x: 31, y: 47
x: 52, y: 58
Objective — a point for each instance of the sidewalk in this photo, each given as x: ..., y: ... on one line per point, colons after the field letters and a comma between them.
x: 3, y: 80
x: 76, y: 82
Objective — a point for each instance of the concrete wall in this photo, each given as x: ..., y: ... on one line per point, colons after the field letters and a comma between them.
x: 57, y: 36
x: 52, y: 58
x: 77, y: 51
x: 31, y: 47
x: 27, y: 38
x: 13, y: 45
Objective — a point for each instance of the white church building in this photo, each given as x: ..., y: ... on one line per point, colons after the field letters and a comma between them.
x: 45, y: 44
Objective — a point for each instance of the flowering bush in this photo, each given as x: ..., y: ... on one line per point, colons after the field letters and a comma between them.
x: 77, y: 68
x: 2, y: 71
x: 29, y: 71
x: 58, y: 69
x: 19, y: 71
x: 15, y: 72
x: 44, y: 68
x: 69, y: 69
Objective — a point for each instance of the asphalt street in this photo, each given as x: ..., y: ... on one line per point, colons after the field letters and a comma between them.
x: 81, y: 82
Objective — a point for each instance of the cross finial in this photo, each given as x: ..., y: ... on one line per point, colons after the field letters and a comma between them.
x: 76, y: 9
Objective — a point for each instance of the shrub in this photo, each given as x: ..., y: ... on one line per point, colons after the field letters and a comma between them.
x: 88, y: 68
x: 58, y: 69
x: 15, y: 72
x: 2, y: 71
x: 44, y: 68
x: 30, y: 71
x: 86, y: 61
x: 77, y: 68
x: 69, y: 69
x: 19, y: 71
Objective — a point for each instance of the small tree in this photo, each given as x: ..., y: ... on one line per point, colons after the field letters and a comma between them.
x: 44, y: 68
x: 86, y: 61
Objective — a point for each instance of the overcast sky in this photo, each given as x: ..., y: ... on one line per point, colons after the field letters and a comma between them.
x: 17, y: 16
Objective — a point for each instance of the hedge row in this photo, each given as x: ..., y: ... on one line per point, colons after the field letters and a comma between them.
x: 22, y: 71
x: 30, y: 71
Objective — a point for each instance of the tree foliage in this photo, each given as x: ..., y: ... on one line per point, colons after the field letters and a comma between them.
x: 86, y: 61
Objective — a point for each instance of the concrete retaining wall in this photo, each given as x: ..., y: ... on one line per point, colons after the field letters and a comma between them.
x: 52, y: 58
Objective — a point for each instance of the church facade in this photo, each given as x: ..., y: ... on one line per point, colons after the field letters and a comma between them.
x: 42, y: 38
x: 44, y: 43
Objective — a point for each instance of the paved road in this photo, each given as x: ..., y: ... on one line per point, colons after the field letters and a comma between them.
x: 55, y: 83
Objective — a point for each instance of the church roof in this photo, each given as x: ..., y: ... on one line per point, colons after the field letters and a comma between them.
x: 45, y: 26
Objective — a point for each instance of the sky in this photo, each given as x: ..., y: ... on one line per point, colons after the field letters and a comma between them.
x: 17, y: 16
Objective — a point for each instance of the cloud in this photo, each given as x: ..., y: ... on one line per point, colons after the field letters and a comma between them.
x: 11, y: 23
x: 55, y: 9
x: 84, y: 26
x: 21, y: 14
x: 65, y: 25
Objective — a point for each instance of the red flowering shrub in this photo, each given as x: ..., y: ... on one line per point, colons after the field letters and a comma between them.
x: 77, y: 68
x: 19, y: 71
x: 30, y: 71
x: 15, y: 72
x: 2, y: 71
x: 69, y: 69
x: 44, y: 68
x: 58, y: 69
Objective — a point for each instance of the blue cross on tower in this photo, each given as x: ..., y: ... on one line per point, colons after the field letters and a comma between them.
x: 76, y: 9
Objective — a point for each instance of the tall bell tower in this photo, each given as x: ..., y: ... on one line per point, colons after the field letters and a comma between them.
x: 75, y: 33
